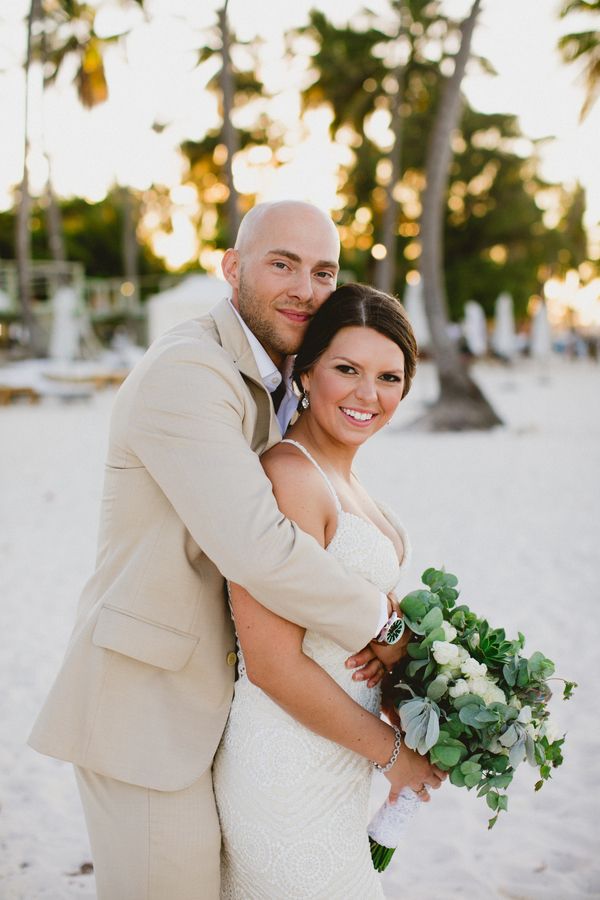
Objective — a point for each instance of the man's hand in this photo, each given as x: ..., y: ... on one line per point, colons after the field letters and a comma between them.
x: 414, y: 771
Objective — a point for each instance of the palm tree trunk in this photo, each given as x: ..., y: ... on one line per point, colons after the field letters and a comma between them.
x: 56, y: 243
x: 385, y: 270
x: 461, y: 404
x: 230, y: 136
x: 129, y: 243
x: 23, y: 229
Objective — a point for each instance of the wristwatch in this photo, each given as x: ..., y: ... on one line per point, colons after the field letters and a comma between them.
x: 392, y: 631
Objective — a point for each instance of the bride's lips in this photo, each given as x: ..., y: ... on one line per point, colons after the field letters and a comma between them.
x: 295, y: 316
x: 359, y: 423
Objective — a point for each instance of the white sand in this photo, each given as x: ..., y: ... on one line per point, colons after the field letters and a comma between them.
x: 513, y: 513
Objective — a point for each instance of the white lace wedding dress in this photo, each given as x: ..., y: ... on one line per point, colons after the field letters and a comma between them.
x: 294, y: 806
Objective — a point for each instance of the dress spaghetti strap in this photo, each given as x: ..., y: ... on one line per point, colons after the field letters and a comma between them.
x: 303, y: 449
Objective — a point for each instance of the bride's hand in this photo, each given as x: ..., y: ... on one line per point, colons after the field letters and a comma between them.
x: 414, y: 771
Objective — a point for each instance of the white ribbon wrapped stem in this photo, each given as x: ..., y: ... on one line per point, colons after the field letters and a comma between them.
x: 390, y: 823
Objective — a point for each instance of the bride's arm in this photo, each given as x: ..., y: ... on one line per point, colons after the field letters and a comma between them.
x: 273, y: 655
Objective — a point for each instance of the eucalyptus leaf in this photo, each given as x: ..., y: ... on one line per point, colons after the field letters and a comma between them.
x: 457, y: 777
x: 466, y: 700
x: 414, y: 666
x: 468, y: 715
x: 510, y: 736
x: 437, y: 688
x: 433, y: 619
x: 472, y: 780
x: 492, y: 800
x: 516, y: 754
x: 437, y: 634
x: 530, y: 750
x: 415, y: 604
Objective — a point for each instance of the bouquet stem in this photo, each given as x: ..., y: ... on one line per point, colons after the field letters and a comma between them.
x: 388, y: 826
x: 381, y: 856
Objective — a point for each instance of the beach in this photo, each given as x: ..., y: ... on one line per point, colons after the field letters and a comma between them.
x: 514, y: 513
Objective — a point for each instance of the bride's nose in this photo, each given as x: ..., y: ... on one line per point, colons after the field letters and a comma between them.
x: 366, y: 390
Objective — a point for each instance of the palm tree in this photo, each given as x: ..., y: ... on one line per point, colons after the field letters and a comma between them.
x: 583, y: 47
x: 230, y: 135
x: 23, y: 230
x: 461, y: 404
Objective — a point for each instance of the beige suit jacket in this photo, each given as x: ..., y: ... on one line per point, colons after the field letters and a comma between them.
x: 145, y: 687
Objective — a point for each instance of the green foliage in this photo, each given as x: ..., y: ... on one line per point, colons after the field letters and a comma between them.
x: 495, y: 237
x: 92, y: 235
x: 481, y: 707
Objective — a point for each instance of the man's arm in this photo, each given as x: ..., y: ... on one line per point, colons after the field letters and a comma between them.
x: 186, y: 429
x: 275, y: 662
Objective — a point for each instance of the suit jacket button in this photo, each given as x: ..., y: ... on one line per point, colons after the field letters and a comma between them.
x: 231, y: 658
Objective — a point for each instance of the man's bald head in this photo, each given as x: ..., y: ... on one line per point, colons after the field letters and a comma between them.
x: 283, y: 267
x: 264, y: 217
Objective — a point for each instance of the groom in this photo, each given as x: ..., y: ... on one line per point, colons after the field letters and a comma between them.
x: 143, y: 694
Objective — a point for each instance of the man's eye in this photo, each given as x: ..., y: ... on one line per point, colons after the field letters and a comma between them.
x: 325, y: 275
x: 279, y: 264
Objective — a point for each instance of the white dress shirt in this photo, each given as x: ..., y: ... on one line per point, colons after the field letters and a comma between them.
x: 271, y: 378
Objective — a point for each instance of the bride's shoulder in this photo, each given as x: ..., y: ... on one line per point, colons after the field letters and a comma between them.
x: 297, y: 483
x: 285, y: 461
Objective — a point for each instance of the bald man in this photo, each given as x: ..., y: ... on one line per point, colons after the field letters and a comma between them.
x: 143, y: 694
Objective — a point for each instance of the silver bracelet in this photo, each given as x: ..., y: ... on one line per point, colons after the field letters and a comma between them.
x: 395, y: 753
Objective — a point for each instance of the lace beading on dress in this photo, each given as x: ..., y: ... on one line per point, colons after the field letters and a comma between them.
x: 293, y: 805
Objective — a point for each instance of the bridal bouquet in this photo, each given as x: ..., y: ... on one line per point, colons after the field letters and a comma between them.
x: 472, y: 701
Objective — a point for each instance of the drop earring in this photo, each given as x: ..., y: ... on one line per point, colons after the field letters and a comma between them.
x: 304, y: 402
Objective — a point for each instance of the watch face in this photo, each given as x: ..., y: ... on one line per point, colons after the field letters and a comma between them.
x: 395, y: 631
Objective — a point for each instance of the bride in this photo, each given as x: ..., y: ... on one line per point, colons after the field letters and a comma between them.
x: 292, y: 799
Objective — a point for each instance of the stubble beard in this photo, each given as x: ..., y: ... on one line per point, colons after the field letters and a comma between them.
x: 264, y: 331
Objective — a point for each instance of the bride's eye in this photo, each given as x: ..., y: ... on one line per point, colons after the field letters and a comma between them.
x: 347, y: 370
x: 390, y: 377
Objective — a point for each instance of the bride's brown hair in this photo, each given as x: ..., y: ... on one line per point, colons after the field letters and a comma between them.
x: 358, y: 306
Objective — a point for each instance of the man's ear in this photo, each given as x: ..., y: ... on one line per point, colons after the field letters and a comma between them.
x: 230, y: 265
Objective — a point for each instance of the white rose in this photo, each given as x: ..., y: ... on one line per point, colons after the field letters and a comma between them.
x: 550, y: 730
x: 471, y: 667
x: 463, y: 654
x: 449, y: 630
x: 459, y: 689
x: 486, y: 689
x: 444, y: 653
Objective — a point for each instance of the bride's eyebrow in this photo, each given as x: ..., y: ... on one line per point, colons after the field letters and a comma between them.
x: 358, y: 366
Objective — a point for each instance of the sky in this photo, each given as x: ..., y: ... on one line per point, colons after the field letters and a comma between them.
x: 157, y: 81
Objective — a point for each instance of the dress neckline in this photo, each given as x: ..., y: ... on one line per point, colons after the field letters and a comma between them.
x: 340, y: 511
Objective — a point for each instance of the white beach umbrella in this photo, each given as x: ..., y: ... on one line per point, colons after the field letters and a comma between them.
x: 475, y: 328
x: 504, y: 335
x: 415, y: 310
x: 541, y: 335
x: 192, y: 297
x: 66, y: 325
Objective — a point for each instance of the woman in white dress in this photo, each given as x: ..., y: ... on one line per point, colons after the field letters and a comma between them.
x: 293, y: 800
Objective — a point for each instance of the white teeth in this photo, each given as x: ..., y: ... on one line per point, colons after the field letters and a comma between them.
x: 361, y: 417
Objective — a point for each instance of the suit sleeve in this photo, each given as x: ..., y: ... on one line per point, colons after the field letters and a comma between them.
x: 186, y: 428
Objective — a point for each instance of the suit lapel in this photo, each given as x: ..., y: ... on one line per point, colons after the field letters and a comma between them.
x: 266, y: 431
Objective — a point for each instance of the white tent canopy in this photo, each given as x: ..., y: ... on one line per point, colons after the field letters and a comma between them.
x: 192, y: 297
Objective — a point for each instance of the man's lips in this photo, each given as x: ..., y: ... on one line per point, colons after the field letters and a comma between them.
x: 295, y: 315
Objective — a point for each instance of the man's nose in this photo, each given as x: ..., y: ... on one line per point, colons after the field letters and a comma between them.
x: 302, y: 287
